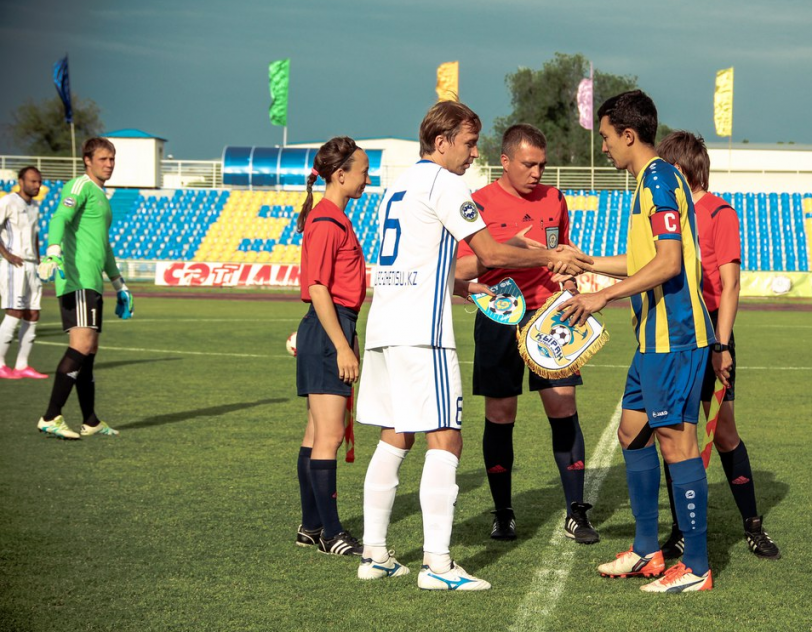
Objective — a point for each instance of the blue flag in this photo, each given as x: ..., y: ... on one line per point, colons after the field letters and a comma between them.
x: 62, y: 83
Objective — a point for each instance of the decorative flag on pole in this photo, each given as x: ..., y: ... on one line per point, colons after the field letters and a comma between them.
x: 448, y: 81
x: 723, y: 103
x: 62, y: 82
x: 278, y: 80
x: 585, y: 103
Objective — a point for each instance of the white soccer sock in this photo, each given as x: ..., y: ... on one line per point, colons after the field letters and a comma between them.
x: 438, y: 495
x: 7, y: 328
x: 380, y: 486
x: 28, y: 333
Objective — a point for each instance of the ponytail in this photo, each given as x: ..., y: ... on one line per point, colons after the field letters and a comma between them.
x: 308, y: 203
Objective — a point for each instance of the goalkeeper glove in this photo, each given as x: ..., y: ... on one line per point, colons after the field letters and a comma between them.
x: 125, y: 303
x: 51, y: 264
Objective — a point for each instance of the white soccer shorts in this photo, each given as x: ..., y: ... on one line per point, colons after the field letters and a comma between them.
x: 20, y: 287
x: 410, y: 389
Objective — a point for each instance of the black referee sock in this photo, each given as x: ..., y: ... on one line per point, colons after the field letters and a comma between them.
x: 310, y: 511
x: 67, y: 373
x: 323, y: 479
x: 736, y: 464
x: 569, y: 454
x: 497, y: 450
x: 669, y: 485
x: 86, y: 391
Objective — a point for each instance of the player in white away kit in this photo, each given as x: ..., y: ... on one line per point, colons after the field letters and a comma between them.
x: 410, y: 381
x: 20, y: 287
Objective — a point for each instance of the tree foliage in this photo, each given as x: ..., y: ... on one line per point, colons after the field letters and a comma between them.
x: 546, y: 98
x: 39, y: 129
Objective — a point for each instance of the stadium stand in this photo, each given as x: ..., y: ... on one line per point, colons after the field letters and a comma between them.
x: 260, y: 226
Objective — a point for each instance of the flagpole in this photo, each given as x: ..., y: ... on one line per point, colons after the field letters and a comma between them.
x: 73, y: 147
x: 284, y: 136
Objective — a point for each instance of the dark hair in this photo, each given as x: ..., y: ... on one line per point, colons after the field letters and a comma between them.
x: 92, y: 144
x: 24, y: 170
x: 337, y: 153
x: 445, y: 118
x: 632, y: 110
x: 515, y: 135
x: 689, y: 152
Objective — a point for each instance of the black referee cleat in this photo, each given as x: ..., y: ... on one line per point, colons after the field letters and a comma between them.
x: 577, y: 525
x: 675, y: 544
x: 308, y: 537
x: 342, y: 544
x: 504, y: 525
x: 758, y: 540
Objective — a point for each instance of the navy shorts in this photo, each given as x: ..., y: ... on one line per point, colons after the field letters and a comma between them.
x: 498, y: 366
x: 710, y: 376
x: 316, y: 355
x: 667, y: 386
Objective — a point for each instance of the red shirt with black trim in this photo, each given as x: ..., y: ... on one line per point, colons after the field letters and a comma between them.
x: 545, y: 211
x: 332, y: 257
x: 719, y: 243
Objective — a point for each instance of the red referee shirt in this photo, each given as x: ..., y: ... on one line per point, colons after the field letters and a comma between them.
x: 332, y: 257
x: 545, y: 209
x: 719, y: 243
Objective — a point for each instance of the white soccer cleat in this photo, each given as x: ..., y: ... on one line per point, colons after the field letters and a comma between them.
x: 56, y: 427
x: 455, y: 579
x: 101, y: 429
x: 370, y: 569
x: 630, y: 564
x: 679, y: 579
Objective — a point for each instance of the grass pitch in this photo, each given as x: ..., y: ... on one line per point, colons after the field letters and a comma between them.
x: 187, y: 520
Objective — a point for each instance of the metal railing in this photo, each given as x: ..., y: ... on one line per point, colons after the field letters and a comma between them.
x: 189, y: 174
x: 605, y: 178
x: 57, y: 168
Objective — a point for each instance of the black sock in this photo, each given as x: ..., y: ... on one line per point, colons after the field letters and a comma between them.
x: 310, y: 511
x: 736, y: 464
x: 669, y: 485
x: 86, y: 391
x: 497, y: 450
x: 569, y: 454
x: 323, y: 479
x: 66, y: 374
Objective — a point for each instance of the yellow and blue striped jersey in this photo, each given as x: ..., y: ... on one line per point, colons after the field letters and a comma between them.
x: 671, y: 316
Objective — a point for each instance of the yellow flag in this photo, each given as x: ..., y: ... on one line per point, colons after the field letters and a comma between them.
x: 723, y: 103
x: 448, y: 81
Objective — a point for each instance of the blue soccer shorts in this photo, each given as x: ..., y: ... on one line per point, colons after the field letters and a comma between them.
x: 668, y: 386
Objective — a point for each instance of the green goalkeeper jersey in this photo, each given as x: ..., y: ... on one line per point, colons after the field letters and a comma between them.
x: 80, y: 225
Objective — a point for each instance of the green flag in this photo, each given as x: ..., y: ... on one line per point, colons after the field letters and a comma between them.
x: 278, y: 80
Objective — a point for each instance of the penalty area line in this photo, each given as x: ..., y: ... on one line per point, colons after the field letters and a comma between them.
x: 551, y: 576
x: 175, y: 351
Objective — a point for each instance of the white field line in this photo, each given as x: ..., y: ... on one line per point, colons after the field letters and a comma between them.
x: 738, y: 367
x: 556, y: 563
x: 136, y: 321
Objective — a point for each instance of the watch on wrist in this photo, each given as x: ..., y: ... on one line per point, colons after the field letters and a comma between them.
x: 718, y: 347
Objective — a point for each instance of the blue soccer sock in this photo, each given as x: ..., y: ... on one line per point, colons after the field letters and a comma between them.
x: 323, y: 478
x: 310, y: 511
x: 691, y: 501
x: 643, y: 479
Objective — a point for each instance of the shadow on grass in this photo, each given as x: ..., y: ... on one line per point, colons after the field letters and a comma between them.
x: 186, y: 415
x: 120, y: 363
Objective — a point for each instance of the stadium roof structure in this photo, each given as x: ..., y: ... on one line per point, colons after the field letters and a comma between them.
x: 131, y: 132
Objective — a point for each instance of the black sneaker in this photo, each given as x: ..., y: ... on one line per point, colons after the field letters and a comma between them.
x: 758, y: 540
x: 504, y: 525
x: 674, y: 546
x: 577, y: 525
x: 342, y: 544
x: 308, y: 537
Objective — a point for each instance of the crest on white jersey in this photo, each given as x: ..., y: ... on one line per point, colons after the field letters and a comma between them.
x: 468, y: 211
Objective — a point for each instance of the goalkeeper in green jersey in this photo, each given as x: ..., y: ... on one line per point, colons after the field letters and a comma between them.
x: 78, y: 255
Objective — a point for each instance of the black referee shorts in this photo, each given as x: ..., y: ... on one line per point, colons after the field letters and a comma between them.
x: 498, y: 366
x: 710, y: 377
x: 316, y: 355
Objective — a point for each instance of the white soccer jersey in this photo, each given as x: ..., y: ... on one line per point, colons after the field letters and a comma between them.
x: 421, y: 218
x: 18, y: 226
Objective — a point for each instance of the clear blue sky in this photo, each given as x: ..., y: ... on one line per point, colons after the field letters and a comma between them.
x: 195, y: 71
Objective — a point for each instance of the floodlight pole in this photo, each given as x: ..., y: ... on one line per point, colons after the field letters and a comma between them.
x: 592, y: 131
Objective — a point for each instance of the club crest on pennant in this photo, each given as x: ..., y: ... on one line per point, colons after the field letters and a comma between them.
x: 506, y: 307
x: 551, y: 347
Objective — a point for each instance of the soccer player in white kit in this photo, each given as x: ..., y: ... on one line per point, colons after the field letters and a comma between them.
x: 20, y: 287
x: 410, y: 381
